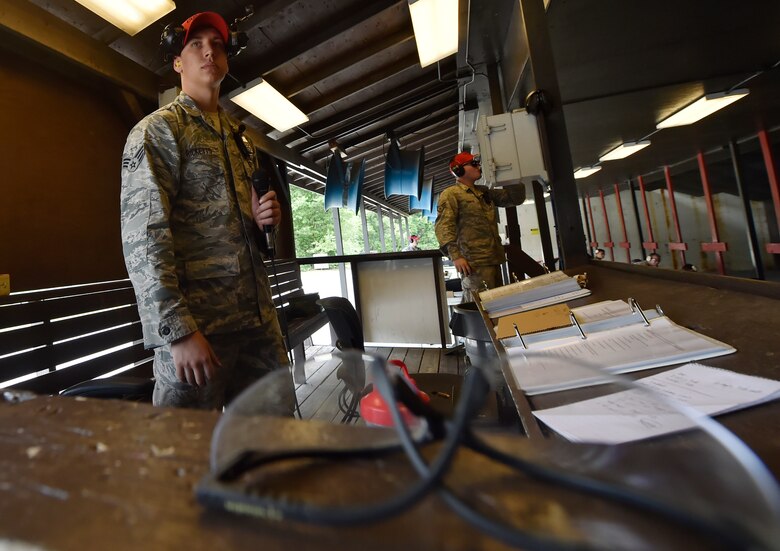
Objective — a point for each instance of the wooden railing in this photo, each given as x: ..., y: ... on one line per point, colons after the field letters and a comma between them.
x: 42, y: 332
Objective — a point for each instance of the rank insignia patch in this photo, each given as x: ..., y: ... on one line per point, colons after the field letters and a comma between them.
x: 132, y: 160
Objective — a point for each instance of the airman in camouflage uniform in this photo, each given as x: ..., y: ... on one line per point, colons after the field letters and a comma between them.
x: 467, y: 225
x: 189, y: 219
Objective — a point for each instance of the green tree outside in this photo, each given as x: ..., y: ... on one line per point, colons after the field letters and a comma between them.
x: 314, y: 233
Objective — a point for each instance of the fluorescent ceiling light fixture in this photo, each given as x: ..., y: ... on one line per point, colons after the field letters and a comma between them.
x: 264, y: 102
x: 703, y: 107
x: 129, y: 15
x: 586, y: 171
x: 435, y: 24
x: 624, y: 150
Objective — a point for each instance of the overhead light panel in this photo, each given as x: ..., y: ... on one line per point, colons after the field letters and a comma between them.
x: 586, y: 171
x: 129, y: 15
x: 624, y: 150
x: 435, y: 24
x: 266, y: 103
x: 702, y: 107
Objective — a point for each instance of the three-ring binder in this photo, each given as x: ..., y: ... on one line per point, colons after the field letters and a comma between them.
x: 632, y: 303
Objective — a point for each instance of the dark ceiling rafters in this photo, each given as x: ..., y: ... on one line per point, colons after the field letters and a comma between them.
x: 358, y: 112
x: 352, y: 66
x: 364, y: 109
x: 408, y: 105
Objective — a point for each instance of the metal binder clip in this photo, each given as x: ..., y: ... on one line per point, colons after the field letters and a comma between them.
x: 576, y: 324
x: 485, y: 285
x: 514, y: 277
x: 659, y: 310
x: 636, y: 308
x: 519, y: 336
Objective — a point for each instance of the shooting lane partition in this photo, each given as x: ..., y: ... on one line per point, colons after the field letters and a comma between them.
x: 716, y: 245
x: 771, y: 170
x: 750, y: 223
x: 679, y: 245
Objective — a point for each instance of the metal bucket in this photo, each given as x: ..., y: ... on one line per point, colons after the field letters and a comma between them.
x: 467, y: 323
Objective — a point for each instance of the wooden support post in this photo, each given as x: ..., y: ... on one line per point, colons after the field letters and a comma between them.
x: 771, y: 170
x: 541, y: 63
x: 744, y: 195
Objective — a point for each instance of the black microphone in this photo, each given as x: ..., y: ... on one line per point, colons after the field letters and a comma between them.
x: 261, y: 182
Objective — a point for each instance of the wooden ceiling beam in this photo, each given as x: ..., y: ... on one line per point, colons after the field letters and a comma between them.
x: 425, y: 83
x: 366, y: 151
x: 361, y: 84
x: 379, y: 117
x: 409, y: 123
x: 345, y: 62
x: 334, y: 26
x: 38, y: 26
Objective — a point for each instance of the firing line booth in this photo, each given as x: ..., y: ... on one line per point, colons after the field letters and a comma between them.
x: 81, y: 470
x: 123, y: 474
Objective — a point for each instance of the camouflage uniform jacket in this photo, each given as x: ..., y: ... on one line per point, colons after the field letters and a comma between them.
x: 467, y: 222
x: 187, y: 227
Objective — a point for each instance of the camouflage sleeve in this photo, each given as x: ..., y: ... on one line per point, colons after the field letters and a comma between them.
x: 150, y: 176
x: 446, y: 225
x: 509, y: 196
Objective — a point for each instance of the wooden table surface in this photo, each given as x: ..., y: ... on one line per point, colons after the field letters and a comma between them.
x: 96, y: 474
x: 92, y: 474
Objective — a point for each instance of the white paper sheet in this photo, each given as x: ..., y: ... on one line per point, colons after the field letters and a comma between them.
x: 634, y: 415
x: 601, y: 310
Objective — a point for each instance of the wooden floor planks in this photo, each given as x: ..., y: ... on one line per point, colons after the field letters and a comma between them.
x: 318, y: 396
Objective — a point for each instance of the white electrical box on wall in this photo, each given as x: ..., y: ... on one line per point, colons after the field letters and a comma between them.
x: 510, y: 149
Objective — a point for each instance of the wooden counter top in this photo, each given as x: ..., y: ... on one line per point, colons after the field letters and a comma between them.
x: 103, y: 474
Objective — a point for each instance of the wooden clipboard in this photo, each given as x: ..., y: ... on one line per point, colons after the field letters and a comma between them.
x: 533, y: 321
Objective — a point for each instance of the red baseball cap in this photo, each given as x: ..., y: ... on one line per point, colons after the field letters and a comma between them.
x: 462, y: 159
x: 416, y: 237
x: 205, y: 19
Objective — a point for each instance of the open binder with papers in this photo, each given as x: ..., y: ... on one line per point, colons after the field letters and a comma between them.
x: 528, y: 294
x: 611, y: 336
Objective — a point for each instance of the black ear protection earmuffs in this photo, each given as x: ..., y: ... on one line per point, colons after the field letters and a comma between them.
x: 171, y: 42
x: 458, y: 164
x: 457, y: 170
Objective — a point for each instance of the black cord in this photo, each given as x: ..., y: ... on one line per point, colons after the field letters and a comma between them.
x: 250, y: 459
x: 283, y: 508
x: 716, y: 528
x: 458, y: 432
x: 473, y: 392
